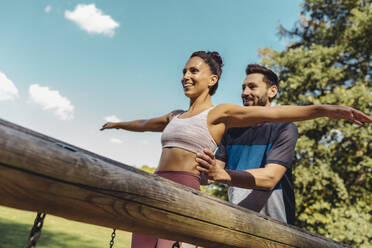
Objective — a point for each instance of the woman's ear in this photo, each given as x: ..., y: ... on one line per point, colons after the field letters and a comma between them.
x: 212, y: 80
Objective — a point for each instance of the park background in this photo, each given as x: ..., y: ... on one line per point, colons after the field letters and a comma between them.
x: 67, y: 67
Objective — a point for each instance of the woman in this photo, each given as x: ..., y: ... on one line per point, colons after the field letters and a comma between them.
x: 202, y: 126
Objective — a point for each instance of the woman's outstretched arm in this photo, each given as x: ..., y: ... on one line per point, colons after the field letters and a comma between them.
x: 153, y: 125
x: 238, y: 116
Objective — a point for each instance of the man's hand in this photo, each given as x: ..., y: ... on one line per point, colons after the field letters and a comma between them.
x: 208, y: 164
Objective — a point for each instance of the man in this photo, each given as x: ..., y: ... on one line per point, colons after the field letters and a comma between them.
x: 258, y: 158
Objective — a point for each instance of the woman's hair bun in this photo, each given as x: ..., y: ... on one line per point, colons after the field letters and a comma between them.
x: 217, y: 57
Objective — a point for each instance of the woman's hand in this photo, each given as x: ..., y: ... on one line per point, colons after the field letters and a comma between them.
x: 153, y: 125
x: 347, y: 113
x: 109, y: 125
x: 237, y: 116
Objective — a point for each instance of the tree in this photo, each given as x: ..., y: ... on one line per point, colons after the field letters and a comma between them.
x: 328, y: 61
x: 218, y: 190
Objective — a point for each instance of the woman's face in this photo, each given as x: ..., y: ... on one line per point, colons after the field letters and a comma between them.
x: 197, y: 77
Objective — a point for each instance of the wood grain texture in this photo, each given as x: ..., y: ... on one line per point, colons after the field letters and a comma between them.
x: 42, y: 174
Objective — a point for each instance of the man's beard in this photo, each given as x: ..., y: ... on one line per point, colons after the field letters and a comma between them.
x: 258, y: 101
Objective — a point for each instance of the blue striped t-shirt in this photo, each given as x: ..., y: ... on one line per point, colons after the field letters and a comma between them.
x: 254, y: 147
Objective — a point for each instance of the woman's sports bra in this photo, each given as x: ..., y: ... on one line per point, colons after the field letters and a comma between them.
x: 191, y: 133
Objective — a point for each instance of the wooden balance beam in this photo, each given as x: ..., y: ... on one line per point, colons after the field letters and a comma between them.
x: 42, y: 174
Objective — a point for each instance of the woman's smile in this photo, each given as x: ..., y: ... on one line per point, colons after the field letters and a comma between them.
x: 188, y: 85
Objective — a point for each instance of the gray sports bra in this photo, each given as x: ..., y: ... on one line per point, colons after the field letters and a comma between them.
x: 191, y: 133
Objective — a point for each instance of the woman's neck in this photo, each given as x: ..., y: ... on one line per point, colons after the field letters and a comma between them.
x: 200, y: 103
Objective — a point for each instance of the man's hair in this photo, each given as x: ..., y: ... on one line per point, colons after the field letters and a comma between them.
x: 270, y: 78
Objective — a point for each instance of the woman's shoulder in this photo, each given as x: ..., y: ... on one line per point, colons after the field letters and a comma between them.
x: 177, y: 112
x: 174, y: 113
x: 224, y: 108
x: 219, y: 111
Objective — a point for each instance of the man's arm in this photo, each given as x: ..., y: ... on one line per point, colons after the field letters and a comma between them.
x: 262, y: 178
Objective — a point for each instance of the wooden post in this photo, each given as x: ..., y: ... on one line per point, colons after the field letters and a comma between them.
x: 42, y: 174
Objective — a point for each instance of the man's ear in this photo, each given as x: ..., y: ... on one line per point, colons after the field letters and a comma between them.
x: 272, y: 91
x: 212, y: 80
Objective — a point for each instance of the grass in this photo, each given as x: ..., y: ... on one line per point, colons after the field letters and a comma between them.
x: 15, y: 227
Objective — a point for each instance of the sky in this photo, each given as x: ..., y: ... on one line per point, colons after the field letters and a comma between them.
x: 67, y: 67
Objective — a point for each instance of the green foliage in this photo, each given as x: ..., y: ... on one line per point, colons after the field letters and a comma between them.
x: 218, y: 190
x: 148, y: 169
x: 329, y: 62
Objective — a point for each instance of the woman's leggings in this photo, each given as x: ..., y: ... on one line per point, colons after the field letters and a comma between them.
x: 182, y: 177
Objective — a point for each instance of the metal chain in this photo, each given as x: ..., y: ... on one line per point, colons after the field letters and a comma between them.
x: 176, y: 245
x: 112, y: 238
x: 36, y: 230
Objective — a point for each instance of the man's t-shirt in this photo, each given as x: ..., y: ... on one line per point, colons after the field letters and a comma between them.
x: 254, y: 147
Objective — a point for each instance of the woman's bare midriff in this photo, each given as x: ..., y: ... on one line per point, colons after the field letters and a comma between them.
x: 177, y: 159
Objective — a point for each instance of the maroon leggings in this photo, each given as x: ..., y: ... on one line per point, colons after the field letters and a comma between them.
x: 182, y: 177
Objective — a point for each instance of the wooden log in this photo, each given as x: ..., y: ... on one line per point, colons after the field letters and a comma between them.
x: 43, y: 174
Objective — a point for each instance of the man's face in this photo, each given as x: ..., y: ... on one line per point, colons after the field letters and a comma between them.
x: 255, y: 91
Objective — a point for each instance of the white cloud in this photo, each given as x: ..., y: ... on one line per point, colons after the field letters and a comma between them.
x: 112, y: 118
x: 8, y: 91
x: 116, y: 141
x: 48, y: 8
x: 51, y: 100
x: 92, y: 20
